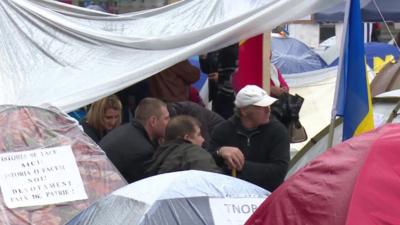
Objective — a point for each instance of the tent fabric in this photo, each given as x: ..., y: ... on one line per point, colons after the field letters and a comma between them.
x: 356, y: 182
x: 171, y: 198
x: 385, y: 105
x: 387, y: 80
x: 377, y: 54
x: 290, y: 56
x: 376, y: 51
x: 69, y: 57
x: 315, y: 113
x: 27, y: 128
x: 389, y: 9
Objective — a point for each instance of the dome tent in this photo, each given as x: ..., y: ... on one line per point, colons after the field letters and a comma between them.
x: 183, y: 197
x: 355, y: 182
x: 290, y: 55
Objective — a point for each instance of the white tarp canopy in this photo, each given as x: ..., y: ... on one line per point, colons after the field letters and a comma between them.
x: 51, y: 53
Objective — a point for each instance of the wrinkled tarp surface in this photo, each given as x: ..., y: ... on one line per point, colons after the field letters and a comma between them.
x: 69, y: 56
x: 168, y: 199
x: 356, y: 182
x: 28, y: 128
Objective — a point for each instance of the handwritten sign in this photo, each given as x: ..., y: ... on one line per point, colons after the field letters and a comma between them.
x: 40, y: 177
x: 229, y: 211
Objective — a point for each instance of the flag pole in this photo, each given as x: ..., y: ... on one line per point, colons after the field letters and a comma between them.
x: 352, y: 97
x: 338, y: 77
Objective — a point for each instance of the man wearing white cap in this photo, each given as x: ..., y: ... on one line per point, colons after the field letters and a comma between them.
x: 252, y: 144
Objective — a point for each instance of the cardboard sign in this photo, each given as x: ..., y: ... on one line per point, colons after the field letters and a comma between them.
x: 40, y: 177
x: 229, y: 211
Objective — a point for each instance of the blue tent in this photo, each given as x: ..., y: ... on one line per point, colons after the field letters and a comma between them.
x: 290, y: 55
x: 381, y: 50
x: 377, y: 49
x: 389, y: 8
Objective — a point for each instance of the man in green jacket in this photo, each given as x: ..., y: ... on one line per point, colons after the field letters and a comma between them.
x: 182, y: 149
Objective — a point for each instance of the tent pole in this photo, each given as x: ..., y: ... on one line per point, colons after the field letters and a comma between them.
x: 266, y: 76
x: 331, y: 132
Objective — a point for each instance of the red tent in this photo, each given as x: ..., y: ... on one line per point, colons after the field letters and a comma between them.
x: 25, y: 128
x: 356, y: 182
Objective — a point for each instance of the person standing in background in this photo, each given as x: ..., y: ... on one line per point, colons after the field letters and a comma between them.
x: 278, y: 84
x: 173, y: 83
x: 219, y: 66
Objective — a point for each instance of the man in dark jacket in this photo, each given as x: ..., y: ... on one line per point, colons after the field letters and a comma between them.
x: 251, y: 144
x: 132, y: 145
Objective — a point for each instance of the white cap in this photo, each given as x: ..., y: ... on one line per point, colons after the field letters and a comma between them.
x: 253, y: 95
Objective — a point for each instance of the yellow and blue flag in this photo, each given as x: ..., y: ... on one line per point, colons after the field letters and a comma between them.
x: 353, y: 97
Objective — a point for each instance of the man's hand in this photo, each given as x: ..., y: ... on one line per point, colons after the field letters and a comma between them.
x: 213, y: 76
x: 233, y: 157
x: 277, y: 91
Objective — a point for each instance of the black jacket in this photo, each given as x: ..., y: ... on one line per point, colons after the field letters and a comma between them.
x: 129, y: 148
x: 179, y: 155
x: 266, y: 150
x: 91, y: 132
x: 209, y: 120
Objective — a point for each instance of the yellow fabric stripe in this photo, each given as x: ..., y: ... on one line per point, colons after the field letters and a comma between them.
x: 367, y: 123
x: 379, y: 63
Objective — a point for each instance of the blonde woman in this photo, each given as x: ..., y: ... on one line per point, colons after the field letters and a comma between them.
x: 103, y: 116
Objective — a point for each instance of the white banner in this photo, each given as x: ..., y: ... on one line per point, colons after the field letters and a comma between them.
x: 40, y: 177
x: 230, y: 211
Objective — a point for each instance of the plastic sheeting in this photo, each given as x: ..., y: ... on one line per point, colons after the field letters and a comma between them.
x: 28, y: 128
x: 356, y: 182
x: 69, y: 57
x: 290, y: 55
x: 169, y: 199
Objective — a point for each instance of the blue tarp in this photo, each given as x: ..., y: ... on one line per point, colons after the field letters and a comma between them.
x: 381, y: 50
x: 377, y: 49
x: 194, y: 60
x: 389, y: 8
x: 290, y: 55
